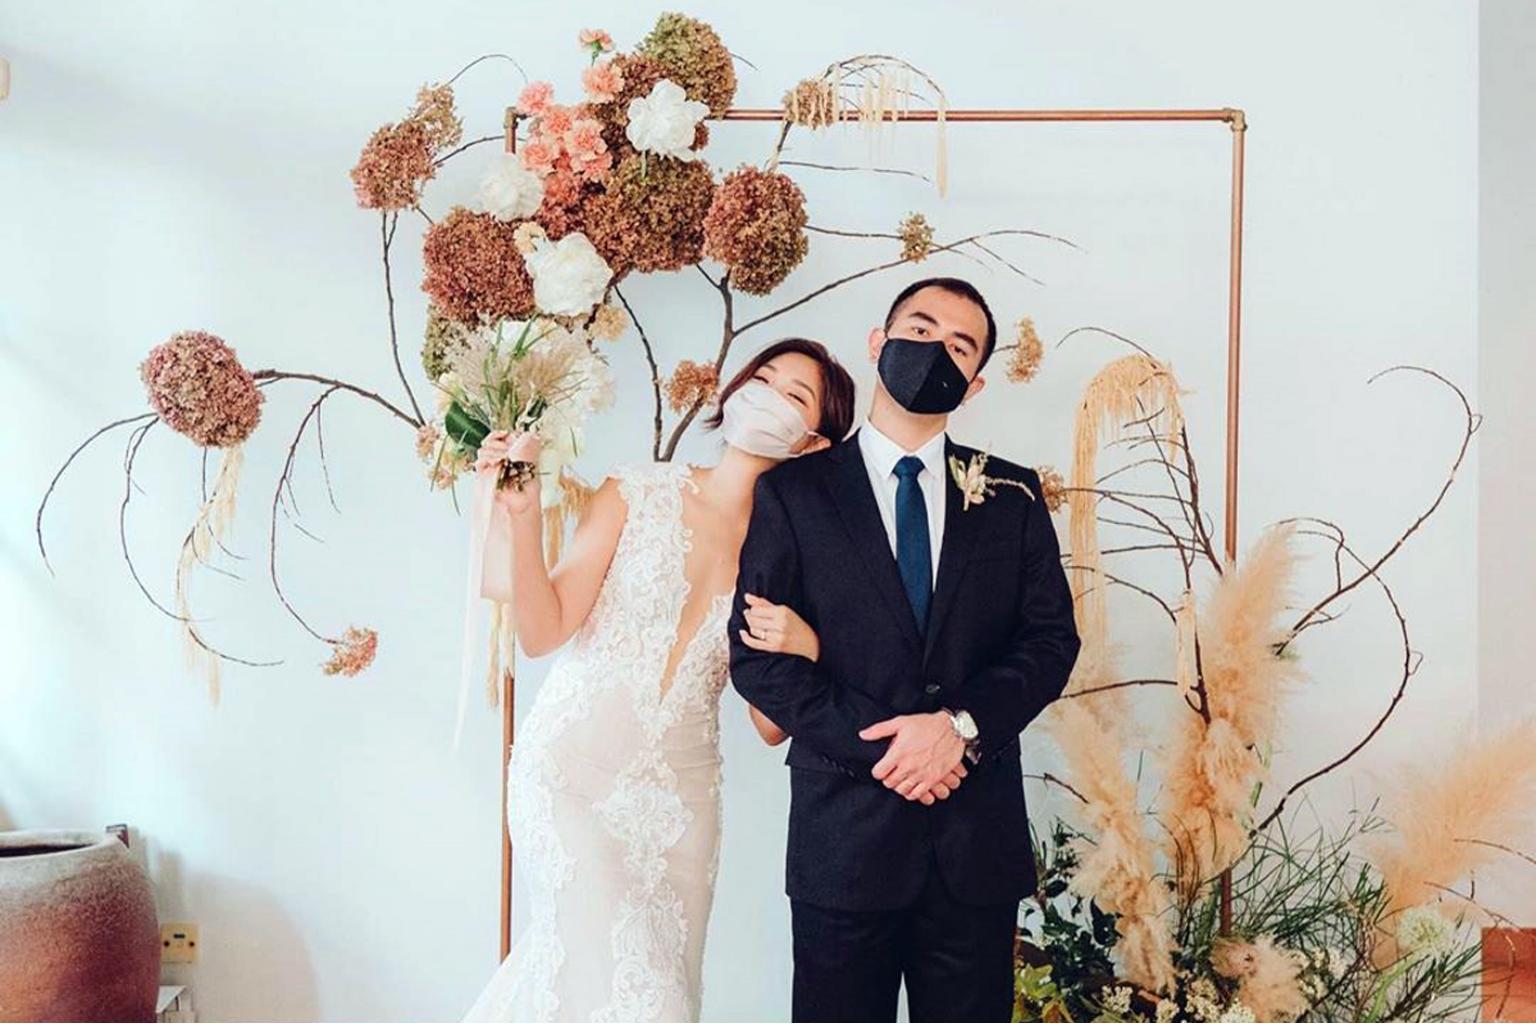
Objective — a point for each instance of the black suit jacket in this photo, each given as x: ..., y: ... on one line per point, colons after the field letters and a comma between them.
x: 1000, y: 643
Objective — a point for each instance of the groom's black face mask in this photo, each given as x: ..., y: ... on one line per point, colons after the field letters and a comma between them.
x: 921, y: 376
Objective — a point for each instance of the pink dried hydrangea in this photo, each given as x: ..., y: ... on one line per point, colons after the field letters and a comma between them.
x: 354, y: 652
x: 562, y: 210
x: 394, y: 167
x: 691, y: 384
x: 198, y: 387
x: 398, y: 159
x: 756, y: 227
x: 473, y: 268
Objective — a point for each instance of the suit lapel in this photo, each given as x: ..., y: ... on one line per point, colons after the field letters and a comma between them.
x: 849, y: 486
x: 962, y: 528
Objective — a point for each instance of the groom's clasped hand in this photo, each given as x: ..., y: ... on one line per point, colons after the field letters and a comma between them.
x: 925, y: 760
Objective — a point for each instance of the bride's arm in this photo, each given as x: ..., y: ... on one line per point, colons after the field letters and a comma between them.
x: 771, y: 734
x: 550, y: 605
x: 778, y: 628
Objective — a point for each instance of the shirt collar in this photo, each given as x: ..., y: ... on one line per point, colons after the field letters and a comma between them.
x: 882, y: 453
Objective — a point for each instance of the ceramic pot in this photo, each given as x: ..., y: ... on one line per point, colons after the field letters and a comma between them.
x: 79, y: 939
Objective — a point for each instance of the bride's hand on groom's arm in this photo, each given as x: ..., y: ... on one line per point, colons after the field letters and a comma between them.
x: 925, y: 760
x: 779, y: 629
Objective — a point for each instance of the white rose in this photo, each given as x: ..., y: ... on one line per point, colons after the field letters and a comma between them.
x: 511, y: 190
x: 665, y: 121
x: 569, y: 276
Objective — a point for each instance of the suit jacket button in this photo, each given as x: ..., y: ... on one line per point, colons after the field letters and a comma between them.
x: 932, y: 689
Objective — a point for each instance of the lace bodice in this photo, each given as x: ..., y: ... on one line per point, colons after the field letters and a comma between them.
x: 634, y: 623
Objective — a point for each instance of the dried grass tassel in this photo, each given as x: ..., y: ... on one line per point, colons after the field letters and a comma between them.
x: 208, y: 528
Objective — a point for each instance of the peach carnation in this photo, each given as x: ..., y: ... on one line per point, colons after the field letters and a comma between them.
x: 535, y: 98
x: 602, y: 81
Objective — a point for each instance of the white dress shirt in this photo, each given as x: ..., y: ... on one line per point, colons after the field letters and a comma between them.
x: 880, y: 457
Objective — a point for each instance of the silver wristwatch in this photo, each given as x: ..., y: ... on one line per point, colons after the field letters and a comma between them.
x: 965, y: 728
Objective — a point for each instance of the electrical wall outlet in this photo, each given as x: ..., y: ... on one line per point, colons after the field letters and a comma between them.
x: 178, y: 943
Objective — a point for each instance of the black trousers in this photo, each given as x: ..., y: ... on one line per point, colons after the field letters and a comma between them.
x: 956, y: 960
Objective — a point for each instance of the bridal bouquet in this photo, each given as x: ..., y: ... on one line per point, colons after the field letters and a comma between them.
x: 535, y: 375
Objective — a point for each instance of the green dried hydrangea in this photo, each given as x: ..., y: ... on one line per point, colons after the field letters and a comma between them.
x: 695, y: 58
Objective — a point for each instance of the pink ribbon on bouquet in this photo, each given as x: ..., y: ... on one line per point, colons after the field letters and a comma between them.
x: 488, y: 580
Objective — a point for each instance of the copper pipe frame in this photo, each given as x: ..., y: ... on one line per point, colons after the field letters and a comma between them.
x: 1237, y: 121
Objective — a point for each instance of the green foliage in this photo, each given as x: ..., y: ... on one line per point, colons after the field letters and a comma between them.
x: 1313, y: 894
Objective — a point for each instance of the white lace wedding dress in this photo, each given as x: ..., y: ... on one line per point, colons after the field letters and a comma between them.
x: 614, y: 790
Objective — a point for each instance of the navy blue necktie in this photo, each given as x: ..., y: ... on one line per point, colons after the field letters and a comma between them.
x: 913, y: 555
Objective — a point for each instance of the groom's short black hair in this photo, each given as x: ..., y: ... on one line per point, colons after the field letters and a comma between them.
x: 955, y: 286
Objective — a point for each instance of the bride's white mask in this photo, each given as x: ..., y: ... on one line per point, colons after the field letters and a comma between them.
x: 760, y: 421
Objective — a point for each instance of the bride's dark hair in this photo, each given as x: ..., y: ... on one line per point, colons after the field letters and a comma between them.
x: 836, y: 385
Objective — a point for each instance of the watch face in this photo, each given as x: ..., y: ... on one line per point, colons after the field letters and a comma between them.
x: 965, y: 725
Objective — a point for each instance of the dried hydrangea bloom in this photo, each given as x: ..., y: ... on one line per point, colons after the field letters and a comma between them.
x: 397, y: 161
x: 692, y: 55
x: 651, y: 217
x: 812, y: 103
x: 352, y: 653
x: 427, y: 437
x: 916, y: 238
x: 1024, y: 361
x: 562, y: 210
x: 473, y: 269
x: 691, y: 384
x: 394, y: 166
x: 1053, y: 488
x: 434, y: 112
x: 609, y: 322
x: 756, y: 227
x: 443, y: 334
x: 198, y: 388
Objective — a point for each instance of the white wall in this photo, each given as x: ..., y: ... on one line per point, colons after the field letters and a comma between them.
x: 184, y: 165
x: 1507, y: 348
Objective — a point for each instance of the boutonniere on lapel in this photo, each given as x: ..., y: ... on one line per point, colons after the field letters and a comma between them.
x: 974, y: 483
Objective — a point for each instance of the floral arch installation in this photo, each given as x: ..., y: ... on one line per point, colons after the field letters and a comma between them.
x: 1232, y: 117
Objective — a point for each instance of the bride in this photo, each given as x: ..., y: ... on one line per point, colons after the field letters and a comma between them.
x: 613, y: 785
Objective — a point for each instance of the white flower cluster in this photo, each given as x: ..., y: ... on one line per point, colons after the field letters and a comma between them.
x: 1424, y: 932
x: 1118, y: 1002
x: 510, y: 190
x: 664, y: 122
x: 569, y: 276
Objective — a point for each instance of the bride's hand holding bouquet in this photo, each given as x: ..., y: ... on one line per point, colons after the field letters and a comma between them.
x: 517, y: 493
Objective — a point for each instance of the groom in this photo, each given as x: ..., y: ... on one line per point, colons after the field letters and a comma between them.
x: 944, y: 630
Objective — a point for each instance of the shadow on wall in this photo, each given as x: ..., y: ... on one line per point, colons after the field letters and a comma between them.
x: 258, y: 970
